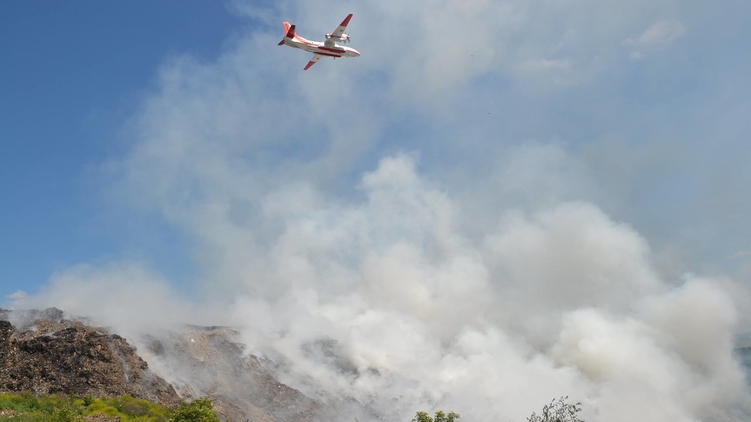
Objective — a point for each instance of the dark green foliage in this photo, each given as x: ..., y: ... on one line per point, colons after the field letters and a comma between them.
x: 440, y: 416
x: 558, y: 411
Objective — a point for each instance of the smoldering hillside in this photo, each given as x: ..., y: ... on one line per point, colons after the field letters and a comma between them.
x: 559, y: 302
x: 51, y: 352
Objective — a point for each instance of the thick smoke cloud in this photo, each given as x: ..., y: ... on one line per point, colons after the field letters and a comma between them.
x: 458, y: 265
x: 560, y: 302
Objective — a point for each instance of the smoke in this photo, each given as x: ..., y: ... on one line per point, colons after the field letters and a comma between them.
x: 559, y: 302
x: 124, y: 295
x: 454, y: 265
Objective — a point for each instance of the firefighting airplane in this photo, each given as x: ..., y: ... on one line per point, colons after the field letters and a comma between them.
x: 328, y: 48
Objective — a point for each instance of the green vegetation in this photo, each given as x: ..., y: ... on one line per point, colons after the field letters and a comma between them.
x: 440, y: 416
x: 51, y: 408
x: 199, y: 410
x: 557, y: 411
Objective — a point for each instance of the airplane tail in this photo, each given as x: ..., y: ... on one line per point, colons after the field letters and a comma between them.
x: 289, y: 32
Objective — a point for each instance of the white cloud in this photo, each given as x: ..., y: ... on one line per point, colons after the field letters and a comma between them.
x: 656, y: 38
x: 18, y: 295
x: 542, y: 65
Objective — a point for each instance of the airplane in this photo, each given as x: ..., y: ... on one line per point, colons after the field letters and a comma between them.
x: 328, y: 48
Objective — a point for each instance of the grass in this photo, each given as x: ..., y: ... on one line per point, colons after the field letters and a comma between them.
x: 26, y: 407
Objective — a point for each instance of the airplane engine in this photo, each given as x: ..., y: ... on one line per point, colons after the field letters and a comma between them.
x: 344, y: 38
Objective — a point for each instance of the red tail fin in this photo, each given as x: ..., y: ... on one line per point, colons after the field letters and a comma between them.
x: 289, y: 32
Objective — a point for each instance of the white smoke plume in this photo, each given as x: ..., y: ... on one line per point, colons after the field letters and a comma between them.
x: 483, y: 278
x: 561, y: 302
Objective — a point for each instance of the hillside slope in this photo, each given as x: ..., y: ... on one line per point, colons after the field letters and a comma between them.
x: 47, y: 354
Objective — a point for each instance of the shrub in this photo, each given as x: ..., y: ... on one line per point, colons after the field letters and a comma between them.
x: 558, y: 411
x: 199, y: 410
x: 65, y: 415
x: 440, y: 416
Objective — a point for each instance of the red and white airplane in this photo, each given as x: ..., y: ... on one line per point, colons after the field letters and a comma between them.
x: 328, y: 48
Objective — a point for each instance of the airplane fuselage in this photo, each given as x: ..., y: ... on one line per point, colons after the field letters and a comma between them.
x: 332, y: 50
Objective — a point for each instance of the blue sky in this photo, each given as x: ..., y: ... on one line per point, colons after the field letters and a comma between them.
x: 71, y: 76
x: 74, y: 75
x: 512, y: 187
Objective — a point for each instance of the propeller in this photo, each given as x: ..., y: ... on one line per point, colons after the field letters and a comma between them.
x: 346, y: 38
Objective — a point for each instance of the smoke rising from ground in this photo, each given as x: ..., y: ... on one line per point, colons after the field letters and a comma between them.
x: 457, y: 265
x: 560, y: 302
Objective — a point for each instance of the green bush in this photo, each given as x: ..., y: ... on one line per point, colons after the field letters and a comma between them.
x: 440, y: 416
x: 199, y: 410
x: 65, y: 415
x: 101, y: 406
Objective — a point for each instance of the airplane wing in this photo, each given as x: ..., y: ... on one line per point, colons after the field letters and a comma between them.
x: 313, y: 61
x: 342, y: 27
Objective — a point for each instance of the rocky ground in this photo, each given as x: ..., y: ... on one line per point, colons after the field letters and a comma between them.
x: 45, y: 353
x: 48, y: 354
x: 206, y: 361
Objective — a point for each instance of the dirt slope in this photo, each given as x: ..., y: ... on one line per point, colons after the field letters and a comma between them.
x: 47, y: 354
